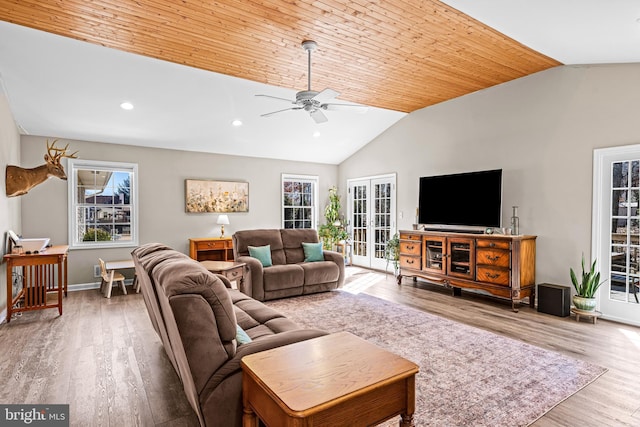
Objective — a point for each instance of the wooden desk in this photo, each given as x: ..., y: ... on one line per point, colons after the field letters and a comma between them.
x: 234, y: 271
x: 42, y: 274
x: 211, y: 249
x: 337, y: 379
x: 125, y: 264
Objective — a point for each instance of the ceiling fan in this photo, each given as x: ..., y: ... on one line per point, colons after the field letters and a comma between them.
x: 311, y: 101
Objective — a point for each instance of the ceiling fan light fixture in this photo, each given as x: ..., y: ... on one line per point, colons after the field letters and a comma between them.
x: 237, y: 122
x: 311, y: 101
x: 126, y: 105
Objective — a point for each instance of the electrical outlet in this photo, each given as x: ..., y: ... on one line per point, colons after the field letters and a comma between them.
x: 96, y: 270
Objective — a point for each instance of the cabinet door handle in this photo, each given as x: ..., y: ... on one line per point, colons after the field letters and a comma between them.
x: 493, y: 258
x: 409, y: 261
x: 493, y: 275
x: 492, y: 245
x: 410, y: 247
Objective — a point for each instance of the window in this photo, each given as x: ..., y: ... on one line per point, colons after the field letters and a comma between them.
x: 299, y: 201
x: 103, y: 204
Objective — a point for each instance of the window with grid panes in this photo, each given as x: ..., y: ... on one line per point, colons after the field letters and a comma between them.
x: 102, y: 204
x: 299, y: 201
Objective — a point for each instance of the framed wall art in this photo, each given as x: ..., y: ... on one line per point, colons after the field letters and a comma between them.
x: 204, y: 196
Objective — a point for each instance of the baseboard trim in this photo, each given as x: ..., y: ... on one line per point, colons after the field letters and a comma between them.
x: 3, y: 315
x: 92, y: 285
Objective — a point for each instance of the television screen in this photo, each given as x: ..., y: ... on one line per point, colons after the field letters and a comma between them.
x: 472, y: 199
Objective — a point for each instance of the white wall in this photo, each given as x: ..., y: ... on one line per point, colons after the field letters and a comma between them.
x: 9, y: 206
x: 162, y: 175
x: 541, y: 130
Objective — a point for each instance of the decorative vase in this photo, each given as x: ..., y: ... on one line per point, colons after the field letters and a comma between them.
x: 585, y: 304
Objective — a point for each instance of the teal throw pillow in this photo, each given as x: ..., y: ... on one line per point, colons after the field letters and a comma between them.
x: 241, y: 336
x: 262, y: 253
x: 312, y: 252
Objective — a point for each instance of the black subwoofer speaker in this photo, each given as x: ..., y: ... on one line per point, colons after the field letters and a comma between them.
x: 554, y: 299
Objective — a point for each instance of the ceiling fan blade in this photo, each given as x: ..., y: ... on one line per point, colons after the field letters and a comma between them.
x: 326, y: 95
x: 280, y: 111
x: 348, y: 107
x: 318, y: 116
x: 275, y: 97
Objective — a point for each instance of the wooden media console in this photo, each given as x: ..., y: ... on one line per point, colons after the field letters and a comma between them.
x: 501, y: 265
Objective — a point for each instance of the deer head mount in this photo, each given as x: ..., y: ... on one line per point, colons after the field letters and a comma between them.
x: 20, y: 180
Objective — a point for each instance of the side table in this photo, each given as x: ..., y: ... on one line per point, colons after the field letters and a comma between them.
x: 211, y: 249
x: 232, y: 270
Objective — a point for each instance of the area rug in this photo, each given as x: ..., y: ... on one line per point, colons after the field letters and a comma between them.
x: 468, y: 376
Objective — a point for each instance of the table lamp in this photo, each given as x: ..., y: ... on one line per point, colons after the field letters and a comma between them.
x: 222, y: 221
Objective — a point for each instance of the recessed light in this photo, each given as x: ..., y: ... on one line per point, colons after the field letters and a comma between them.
x: 126, y: 106
x: 316, y: 134
x: 237, y: 122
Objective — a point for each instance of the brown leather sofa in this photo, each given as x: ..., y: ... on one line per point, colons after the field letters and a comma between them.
x: 289, y: 275
x: 195, y: 313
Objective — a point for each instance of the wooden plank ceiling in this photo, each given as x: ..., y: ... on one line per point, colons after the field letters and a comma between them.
x: 399, y: 55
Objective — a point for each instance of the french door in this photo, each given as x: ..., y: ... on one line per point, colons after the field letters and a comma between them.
x: 616, y: 231
x: 372, y: 219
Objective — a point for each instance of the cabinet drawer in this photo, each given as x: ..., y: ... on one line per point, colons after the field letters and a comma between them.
x: 233, y: 273
x: 407, y: 236
x: 494, y: 257
x: 496, y: 276
x: 410, y: 262
x: 410, y: 248
x: 212, y: 244
x: 490, y: 243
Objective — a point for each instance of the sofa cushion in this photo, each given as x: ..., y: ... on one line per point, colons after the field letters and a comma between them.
x: 244, y: 238
x: 283, y: 277
x: 261, y: 253
x: 320, y: 272
x: 258, y: 320
x: 312, y: 252
x: 292, y: 242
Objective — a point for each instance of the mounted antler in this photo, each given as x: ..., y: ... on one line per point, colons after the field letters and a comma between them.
x: 19, y: 180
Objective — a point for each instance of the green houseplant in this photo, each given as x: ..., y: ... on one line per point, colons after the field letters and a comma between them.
x: 586, y: 287
x: 392, y: 252
x: 333, y: 231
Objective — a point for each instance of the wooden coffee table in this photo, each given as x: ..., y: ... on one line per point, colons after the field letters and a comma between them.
x: 337, y: 379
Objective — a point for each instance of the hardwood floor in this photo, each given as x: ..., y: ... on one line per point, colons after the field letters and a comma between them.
x: 104, y: 358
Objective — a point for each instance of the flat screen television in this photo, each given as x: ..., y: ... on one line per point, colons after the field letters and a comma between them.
x: 465, y: 201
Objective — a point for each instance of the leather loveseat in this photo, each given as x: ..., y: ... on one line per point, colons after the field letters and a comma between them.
x: 197, y: 314
x: 289, y: 275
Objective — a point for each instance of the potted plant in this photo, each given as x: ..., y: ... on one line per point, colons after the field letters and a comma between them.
x: 392, y: 253
x: 586, y: 287
x: 333, y: 231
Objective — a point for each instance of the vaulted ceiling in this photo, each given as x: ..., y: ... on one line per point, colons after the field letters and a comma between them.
x: 396, y: 55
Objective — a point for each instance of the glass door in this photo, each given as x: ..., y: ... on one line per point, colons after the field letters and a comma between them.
x: 435, y: 254
x: 359, y: 221
x: 372, y: 219
x: 617, y: 231
x: 461, y: 257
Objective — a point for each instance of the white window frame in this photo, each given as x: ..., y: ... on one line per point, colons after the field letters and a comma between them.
x: 73, y: 165
x: 315, y: 180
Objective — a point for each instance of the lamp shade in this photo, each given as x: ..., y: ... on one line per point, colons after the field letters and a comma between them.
x: 223, y: 219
